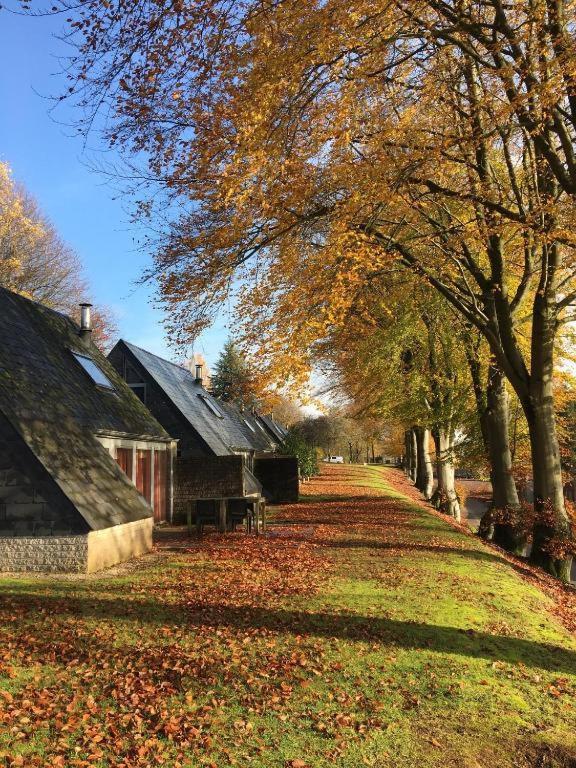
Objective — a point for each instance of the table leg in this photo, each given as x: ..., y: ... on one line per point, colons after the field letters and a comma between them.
x: 222, y: 515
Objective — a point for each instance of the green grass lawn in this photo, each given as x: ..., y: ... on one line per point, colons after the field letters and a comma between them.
x: 367, y: 632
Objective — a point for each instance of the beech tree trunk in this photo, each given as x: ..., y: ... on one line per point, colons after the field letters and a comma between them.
x: 413, y: 455
x: 492, y: 409
x: 445, y: 498
x: 424, y: 472
x: 552, y: 528
x: 552, y: 524
x: 495, y: 424
x: 406, y: 451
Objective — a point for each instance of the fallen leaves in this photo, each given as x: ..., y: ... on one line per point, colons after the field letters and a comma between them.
x: 189, y: 662
x: 130, y: 674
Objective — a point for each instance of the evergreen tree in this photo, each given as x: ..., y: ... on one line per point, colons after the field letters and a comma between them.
x: 232, y: 380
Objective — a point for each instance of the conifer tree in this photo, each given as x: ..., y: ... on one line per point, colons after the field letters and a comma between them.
x: 232, y: 380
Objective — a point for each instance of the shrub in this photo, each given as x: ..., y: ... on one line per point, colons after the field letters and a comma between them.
x: 295, y: 445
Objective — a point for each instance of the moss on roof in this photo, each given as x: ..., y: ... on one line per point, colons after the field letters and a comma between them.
x: 55, y: 409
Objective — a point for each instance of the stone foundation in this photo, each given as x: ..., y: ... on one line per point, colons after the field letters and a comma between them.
x: 77, y: 554
x: 44, y: 553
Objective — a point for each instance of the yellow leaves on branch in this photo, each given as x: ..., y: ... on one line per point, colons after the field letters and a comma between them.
x: 18, y: 232
x: 316, y: 137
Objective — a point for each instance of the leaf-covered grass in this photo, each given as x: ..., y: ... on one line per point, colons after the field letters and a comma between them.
x: 366, y: 632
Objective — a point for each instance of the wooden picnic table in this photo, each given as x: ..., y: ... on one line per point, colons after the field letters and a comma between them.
x: 255, y: 518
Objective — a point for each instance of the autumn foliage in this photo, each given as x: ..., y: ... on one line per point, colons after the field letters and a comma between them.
x: 292, y: 156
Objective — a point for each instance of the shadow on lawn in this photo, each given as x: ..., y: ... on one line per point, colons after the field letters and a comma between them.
x: 415, y: 547
x: 348, y: 626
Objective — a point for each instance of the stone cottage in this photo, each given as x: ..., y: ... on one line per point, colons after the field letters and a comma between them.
x: 85, y: 469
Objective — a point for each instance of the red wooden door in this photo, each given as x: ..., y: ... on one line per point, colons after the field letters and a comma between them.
x: 124, y: 460
x: 160, y: 485
x: 143, y: 479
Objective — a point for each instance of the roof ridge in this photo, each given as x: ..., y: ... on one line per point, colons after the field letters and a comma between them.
x: 158, y: 357
x: 36, y: 303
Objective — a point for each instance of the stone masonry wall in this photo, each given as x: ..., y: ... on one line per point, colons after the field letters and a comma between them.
x: 44, y: 553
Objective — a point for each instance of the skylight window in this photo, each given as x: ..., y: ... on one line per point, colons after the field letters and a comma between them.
x: 211, y: 405
x: 93, y: 371
x: 249, y: 425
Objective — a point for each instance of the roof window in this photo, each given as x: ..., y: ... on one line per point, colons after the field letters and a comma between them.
x: 93, y: 371
x: 249, y: 425
x: 211, y: 405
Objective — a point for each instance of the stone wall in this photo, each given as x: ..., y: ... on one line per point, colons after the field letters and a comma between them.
x: 118, y: 544
x: 77, y: 554
x: 44, y: 553
x: 24, y: 512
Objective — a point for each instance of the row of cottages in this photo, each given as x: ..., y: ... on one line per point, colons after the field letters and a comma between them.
x: 93, y: 451
x: 227, y: 459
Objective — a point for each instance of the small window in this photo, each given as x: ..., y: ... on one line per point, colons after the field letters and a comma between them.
x: 93, y: 371
x: 248, y: 425
x: 139, y: 390
x: 211, y: 405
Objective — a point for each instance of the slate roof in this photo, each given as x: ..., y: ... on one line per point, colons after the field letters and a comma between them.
x: 222, y: 435
x: 275, y: 429
x: 253, y: 429
x: 237, y: 430
x: 54, y: 410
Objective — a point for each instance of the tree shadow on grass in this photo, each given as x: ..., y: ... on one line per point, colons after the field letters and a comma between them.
x: 378, y: 544
x: 322, y: 624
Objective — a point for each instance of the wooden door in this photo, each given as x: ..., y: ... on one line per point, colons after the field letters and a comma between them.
x: 143, y: 470
x: 160, y: 485
x: 124, y: 460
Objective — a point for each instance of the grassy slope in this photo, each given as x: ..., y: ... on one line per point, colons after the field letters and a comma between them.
x: 367, y: 633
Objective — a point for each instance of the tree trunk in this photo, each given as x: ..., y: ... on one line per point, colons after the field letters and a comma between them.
x: 445, y: 498
x: 492, y: 409
x: 406, y: 463
x: 413, y: 455
x: 552, y: 525
x: 424, y: 473
x: 504, y: 492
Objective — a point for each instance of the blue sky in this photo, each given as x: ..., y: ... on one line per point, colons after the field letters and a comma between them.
x: 53, y: 167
